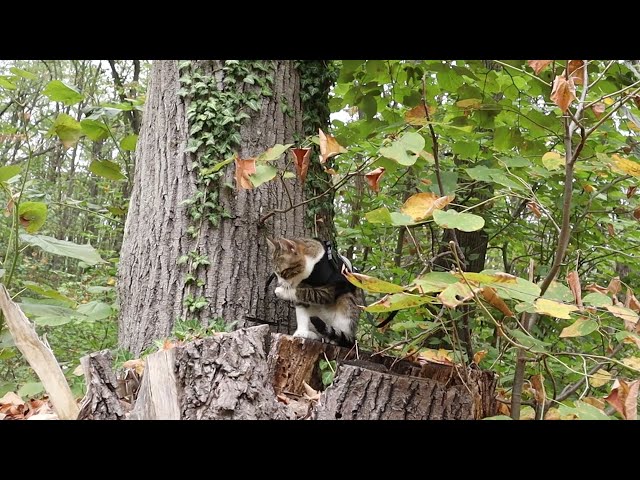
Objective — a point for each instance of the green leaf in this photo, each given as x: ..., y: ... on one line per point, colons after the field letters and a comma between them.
x: 455, y: 294
x: 99, y: 289
x: 559, y: 292
x: 398, y: 301
x: 432, y: 282
x: 23, y: 73
x: 49, y: 292
x: 129, y: 142
x: 94, y: 129
x: 379, y: 215
x: 400, y: 219
x: 368, y: 106
x: 58, y: 91
x: 6, y: 84
x: 216, y: 167
x: 528, y: 341
x: 405, y: 150
x: 85, y: 253
x: 52, y: 321
x: 523, y: 290
x: 583, y: 411
x: 554, y: 309
x: 579, y: 328
x: 32, y: 215
x: 327, y: 377
x: 289, y: 175
x: 106, y: 169
x: 46, y: 310
x: 597, y: 300
x: 263, y: 174
x: 274, y: 152
x: 67, y: 129
x: 29, y: 390
x: 95, y: 310
x: 372, y: 284
x: 8, y: 172
x: 467, y: 222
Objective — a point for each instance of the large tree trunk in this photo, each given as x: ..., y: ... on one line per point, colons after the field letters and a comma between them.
x: 151, y: 286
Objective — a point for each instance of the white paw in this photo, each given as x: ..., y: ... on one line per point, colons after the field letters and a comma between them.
x: 286, y: 293
x: 307, y: 334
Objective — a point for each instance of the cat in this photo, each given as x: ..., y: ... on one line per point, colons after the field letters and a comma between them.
x: 326, y: 303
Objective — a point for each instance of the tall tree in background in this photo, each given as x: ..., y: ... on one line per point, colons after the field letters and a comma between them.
x: 194, y: 244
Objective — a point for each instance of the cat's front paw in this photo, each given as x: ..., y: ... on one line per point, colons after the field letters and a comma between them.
x: 285, y: 293
x: 307, y: 334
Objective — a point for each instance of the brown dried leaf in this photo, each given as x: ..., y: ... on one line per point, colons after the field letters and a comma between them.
x: 552, y: 414
x: 11, y: 398
x: 563, y: 93
x: 136, y: 364
x: 636, y: 213
x: 611, y: 230
x: 598, y: 109
x: 417, y: 115
x: 537, y: 383
x: 373, y: 178
x: 576, y: 71
x: 310, y: 393
x: 330, y: 171
x: 329, y: 147
x: 624, y: 398
x: 595, y: 402
x: 302, y: 158
x: 631, y: 191
x: 600, y: 378
x: 504, y: 409
x: 538, y: 65
x: 478, y: 356
x: 614, y: 286
x: 533, y: 206
x: 594, y: 287
x: 168, y: 344
x: 631, y: 301
x: 491, y: 296
x: 574, y: 284
x: 244, y: 168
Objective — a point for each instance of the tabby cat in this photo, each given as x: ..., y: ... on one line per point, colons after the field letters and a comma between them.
x: 327, y: 312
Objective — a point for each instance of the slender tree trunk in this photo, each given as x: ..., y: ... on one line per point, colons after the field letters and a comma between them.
x: 151, y: 285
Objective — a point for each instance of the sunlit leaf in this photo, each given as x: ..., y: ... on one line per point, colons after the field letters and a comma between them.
x: 129, y: 142
x: 441, y: 356
x: 58, y: 91
x: 553, y: 160
x: 626, y: 166
x: 600, y: 378
x: 8, y: 172
x: 553, y: 308
x: 398, y: 301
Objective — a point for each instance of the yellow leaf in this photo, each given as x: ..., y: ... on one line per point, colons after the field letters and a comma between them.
x: 111, y: 281
x: 625, y: 314
x: 442, y: 356
x: 136, y: 364
x: 422, y: 205
x: 600, y: 378
x: 469, y: 103
x: 608, y: 101
x: 498, y: 277
x: 552, y: 414
x: 553, y: 308
x: 633, y: 362
x: 329, y: 147
x: 563, y: 93
x: 553, y: 160
x: 626, y: 166
x: 478, y: 356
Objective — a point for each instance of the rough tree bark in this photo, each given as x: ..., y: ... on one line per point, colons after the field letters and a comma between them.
x: 150, y: 286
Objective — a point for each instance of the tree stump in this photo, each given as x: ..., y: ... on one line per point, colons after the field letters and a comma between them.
x: 253, y: 374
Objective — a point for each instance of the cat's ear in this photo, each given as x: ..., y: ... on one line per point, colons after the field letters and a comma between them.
x: 289, y: 245
x: 272, y: 245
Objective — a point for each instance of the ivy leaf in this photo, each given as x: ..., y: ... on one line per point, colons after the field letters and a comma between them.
x: 553, y: 160
x: 274, y: 152
x: 563, y: 93
x: 58, y: 91
x: 422, y: 205
x: 67, y: 129
x: 244, y: 168
x: 301, y: 160
x: 538, y: 65
x: 263, y: 174
x: 32, y: 215
x: 398, y: 301
x: 106, y: 169
x: 373, y: 178
x: 129, y: 142
x: 371, y: 284
x: 94, y: 129
x: 579, y: 328
x: 553, y: 308
x: 624, y: 398
x: 8, y: 172
x: 405, y: 150
x: 467, y: 222
x: 329, y: 147
x: 86, y: 253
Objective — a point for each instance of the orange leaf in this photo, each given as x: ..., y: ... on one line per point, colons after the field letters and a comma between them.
x: 329, y: 147
x: 574, y: 284
x: 538, y: 65
x: 533, y: 206
x: 564, y: 92
x: 494, y: 300
x: 624, y: 398
x: 614, y: 286
x: 244, y: 168
x: 418, y: 116
x: 301, y: 162
x: 330, y: 171
x: 598, y: 109
x: 537, y: 382
x: 576, y: 71
x: 373, y: 178
x: 440, y: 356
x: 478, y: 356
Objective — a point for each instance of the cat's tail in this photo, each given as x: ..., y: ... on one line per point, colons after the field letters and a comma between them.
x: 333, y: 335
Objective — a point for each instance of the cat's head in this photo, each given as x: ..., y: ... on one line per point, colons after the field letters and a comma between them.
x: 286, y: 255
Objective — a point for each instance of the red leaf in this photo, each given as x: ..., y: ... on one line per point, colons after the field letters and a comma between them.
x: 538, y: 65
x: 373, y: 178
x: 244, y: 168
x: 564, y: 92
x: 301, y: 161
x: 624, y: 398
x: 598, y: 109
x: 534, y: 209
